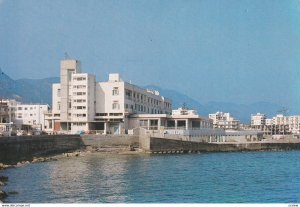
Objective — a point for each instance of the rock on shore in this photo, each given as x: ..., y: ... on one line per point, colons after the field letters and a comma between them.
x: 3, y: 195
x: 4, y: 166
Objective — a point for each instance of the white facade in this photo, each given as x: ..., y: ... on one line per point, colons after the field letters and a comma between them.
x: 7, y: 110
x: 258, y: 119
x: 19, y: 116
x: 31, y: 115
x: 279, y: 124
x: 180, y: 119
x: 82, y: 104
x: 224, y: 120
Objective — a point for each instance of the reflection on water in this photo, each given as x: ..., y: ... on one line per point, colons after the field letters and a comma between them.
x: 107, y: 176
x: 256, y: 177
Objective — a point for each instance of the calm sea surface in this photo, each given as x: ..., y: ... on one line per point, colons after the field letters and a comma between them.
x: 252, y: 177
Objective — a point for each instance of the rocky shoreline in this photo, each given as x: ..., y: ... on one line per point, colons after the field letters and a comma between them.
x: 77, y: 153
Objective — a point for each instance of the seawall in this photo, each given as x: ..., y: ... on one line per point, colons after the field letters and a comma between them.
x: 23, y: 148
x: 15, y: 149
x: 102, y: 141
x: 157, y: 145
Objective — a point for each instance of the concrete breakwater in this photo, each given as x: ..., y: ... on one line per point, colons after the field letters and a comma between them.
x: 25, y: 148
x: 163, y: 145
x: 15, y: 149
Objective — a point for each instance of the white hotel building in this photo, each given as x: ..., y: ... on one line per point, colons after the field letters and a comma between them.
x: 79, y: 103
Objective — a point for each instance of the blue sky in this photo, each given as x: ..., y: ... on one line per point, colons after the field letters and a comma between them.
x: 240, y: 51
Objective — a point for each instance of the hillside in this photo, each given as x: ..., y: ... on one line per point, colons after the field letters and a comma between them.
x: 27, y: 90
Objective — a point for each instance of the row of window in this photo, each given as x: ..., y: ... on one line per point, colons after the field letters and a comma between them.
x: 79, y: 115
x: 27, y: 108
x: 79, y: 100
x: 79, y: 107
x: 144, y: 98
x: 79, y: 86
x: 79, y: 124
x: 79, y: 78
x: 142, y: 108
x: 79, y: 93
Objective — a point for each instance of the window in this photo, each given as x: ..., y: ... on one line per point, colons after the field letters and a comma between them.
x: 143, y: 123
x: 19, y: 108
x: 128, y: 93
x: 79, y: 115
x: 115, y: 91
x: 79, y: 86
x: 58, y: 105
x: 79, y: 100
x: 79, y: 93
x: 79, y: 107
x: 116, y: 105
x: 79, y: 78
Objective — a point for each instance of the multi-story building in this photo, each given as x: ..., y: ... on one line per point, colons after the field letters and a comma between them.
x: 278, y: 125
x: 224, y: 121
x: 81, y: 103
x: 30, y: 116
x: 7, y: 110
x: 19, y: 116
x: 7, y: 115
x: 258, y: 120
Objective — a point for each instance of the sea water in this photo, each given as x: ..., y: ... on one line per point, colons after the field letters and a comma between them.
x: 238, y: 177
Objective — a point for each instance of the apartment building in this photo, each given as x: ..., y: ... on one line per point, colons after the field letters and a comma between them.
x: 7, y: 115
x: 82, y: 104
x: 7, y: 110
x: 18, y: 116
x: 278, y: 125
x: 224, y: 121
x: 30, y: 116
x: 258, y: 120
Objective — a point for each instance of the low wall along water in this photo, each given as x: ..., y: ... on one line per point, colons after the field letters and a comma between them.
x: 23, y: 148
x: 15, y: 149
x: 158, y: 145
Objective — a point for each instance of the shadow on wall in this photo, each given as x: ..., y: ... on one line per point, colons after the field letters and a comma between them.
x: 15, y: 149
